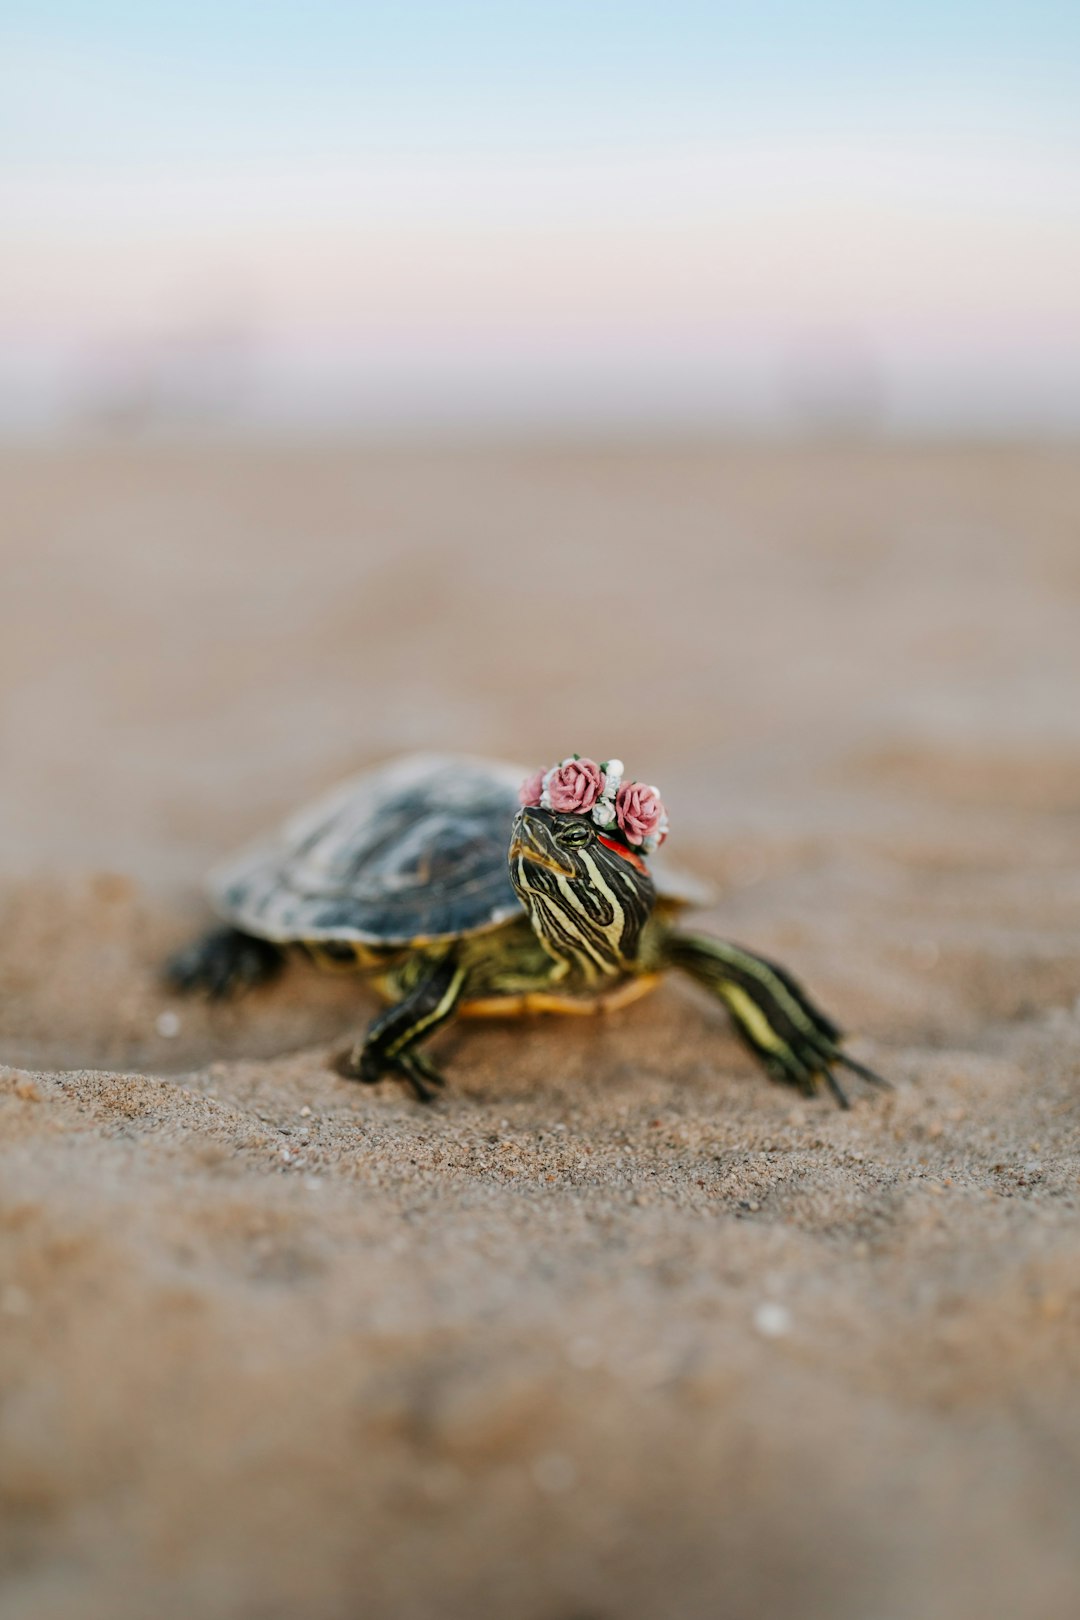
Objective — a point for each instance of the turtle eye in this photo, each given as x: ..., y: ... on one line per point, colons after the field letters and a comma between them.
x: 575, y: 835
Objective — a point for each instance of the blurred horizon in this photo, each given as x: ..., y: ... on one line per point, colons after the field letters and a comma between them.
x: 627, y: 218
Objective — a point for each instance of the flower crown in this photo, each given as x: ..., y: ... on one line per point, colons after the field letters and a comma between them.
x: 582, y: 787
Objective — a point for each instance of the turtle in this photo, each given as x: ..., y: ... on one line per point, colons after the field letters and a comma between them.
x: 456, y: 888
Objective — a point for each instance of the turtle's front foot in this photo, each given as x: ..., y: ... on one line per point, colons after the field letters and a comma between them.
x: 794, y: 1041
x: 370, y: 1065
x: 223, y: 963
x: 392, y: 1043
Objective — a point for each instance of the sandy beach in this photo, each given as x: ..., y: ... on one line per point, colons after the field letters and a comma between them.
x: 618, y: 1330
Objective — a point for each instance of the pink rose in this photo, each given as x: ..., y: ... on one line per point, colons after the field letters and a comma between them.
x: 530, y: 790
x: 639, y: 812
x: 575, y: 786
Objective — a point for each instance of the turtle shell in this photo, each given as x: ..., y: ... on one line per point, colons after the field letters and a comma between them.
x: 411, y: 852
x: 414, y: 850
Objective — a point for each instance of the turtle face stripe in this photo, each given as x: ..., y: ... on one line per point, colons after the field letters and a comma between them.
x: 586, y: 901
x: 587, y: 951
x: 574, y: 922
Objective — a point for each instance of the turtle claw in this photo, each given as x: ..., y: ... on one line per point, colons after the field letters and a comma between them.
x: 418, y: 1075
x: 842, y: 1098
x: 427, y: 1069
x: 805, y: 1068
x: 865, y: 1073
x: 417, y: 1072
x: 369, y: 1067
x: 805, y: 1062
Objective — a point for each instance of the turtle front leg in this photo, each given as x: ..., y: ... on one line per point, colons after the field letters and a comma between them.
x: 223, y: 962
x: 794, y: 1041
x: 390, y: 1045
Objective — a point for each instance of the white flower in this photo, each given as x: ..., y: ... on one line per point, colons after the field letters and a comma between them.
x: 603, y: 811
x: 545, y: 797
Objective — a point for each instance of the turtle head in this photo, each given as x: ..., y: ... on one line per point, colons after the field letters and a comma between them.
x: 587, y: 893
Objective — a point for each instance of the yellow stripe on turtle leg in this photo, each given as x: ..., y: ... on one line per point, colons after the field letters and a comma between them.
x: 431, y: 1019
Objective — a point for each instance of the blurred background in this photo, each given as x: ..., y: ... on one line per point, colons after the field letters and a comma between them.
x: 423, y: 217
x: 696, y: 383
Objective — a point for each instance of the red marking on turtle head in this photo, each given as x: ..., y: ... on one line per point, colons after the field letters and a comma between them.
x: 627, y: 854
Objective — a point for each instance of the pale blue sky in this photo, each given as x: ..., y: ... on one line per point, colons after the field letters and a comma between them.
x: 526, y: 209
x: 128, y: 83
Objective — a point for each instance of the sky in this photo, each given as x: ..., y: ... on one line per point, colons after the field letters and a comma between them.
x: 425, y: 215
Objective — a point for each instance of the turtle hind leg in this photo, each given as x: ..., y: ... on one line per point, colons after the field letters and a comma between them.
x: 391, y: 1044
x: 795, y: 1042
x: 224, y: 962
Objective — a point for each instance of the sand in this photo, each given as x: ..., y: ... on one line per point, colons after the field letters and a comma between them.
x: 618, y: 1329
